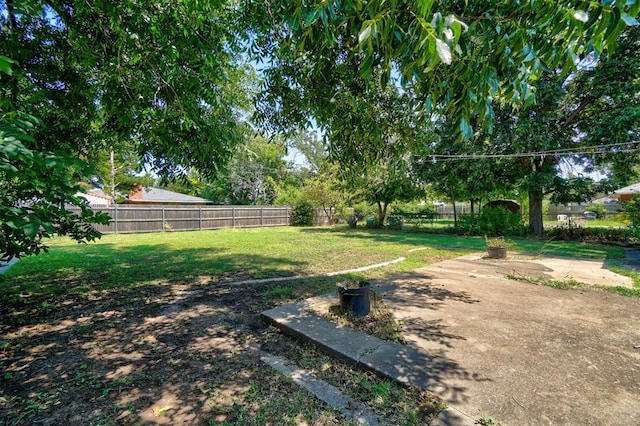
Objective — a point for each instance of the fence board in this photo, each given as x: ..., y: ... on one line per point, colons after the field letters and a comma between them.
x: 138, y: 219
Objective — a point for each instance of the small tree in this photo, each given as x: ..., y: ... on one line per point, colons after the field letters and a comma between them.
x: 599, y: 209
x: 323, y: 191
x: 386, y: 184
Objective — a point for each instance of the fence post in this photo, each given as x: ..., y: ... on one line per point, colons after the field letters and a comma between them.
x: 163, y: 230
x: 200, y: 217
x: 261, y: 216
x: 116, y: 216
x: 233, y: 217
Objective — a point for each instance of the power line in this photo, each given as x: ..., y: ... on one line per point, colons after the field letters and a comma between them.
x: 594, y: 150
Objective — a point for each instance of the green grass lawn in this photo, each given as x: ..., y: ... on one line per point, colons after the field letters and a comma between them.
x: 101, y: 331
x: 206, y: 257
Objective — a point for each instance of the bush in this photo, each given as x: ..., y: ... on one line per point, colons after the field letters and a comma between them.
x: 599, y: 209
x: 632, y: 210
x: 302, y: 214
x: 594, y: 235
x: 372, y: 223
x: 491, y: 221
x: 394, y: 222
x: 364, y: 210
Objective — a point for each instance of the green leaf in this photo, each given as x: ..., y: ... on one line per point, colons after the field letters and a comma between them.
x: 593, y: 17
x: 365, y: 67
x: 613, y: 23
x: 581, y: 15
x: 366, y: 32
x: 465, y: 128
x: 444, y: 52
x: 311, y: 17
x: 5, y: 65
x: 31, y: 229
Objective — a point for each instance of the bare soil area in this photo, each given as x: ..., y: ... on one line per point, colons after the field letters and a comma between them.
x: 153, y: 355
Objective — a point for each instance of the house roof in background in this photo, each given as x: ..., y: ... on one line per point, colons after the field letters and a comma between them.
x: 631, y: 189
x: 99, y: 194
x: 157, y: 195
x: 605, y: 199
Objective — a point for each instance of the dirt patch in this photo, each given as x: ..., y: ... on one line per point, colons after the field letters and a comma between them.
x: 152, y: 355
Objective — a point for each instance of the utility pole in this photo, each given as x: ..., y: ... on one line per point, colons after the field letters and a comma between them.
x: 112, y: 172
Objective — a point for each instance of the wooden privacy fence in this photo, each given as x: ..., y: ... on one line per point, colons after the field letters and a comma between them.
x: 134, y: 219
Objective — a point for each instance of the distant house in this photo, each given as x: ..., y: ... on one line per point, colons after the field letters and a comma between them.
x: 96, y: 198
x: 156, y: 196
x: 628, y: 192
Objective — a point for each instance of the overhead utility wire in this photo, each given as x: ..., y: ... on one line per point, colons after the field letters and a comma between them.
x: 566, y: 151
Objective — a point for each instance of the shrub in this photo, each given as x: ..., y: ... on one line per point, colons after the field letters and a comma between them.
x: 632, y: 210
x: 372, y: 223
x: 364, y: 210
x: 491, y: 221
x: 302, y: 214
x: 599, y: 209
x: 394, y: 222
x: 594, y: 235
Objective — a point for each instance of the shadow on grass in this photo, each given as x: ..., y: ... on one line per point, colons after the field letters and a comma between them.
x: 147, y: 354
x: 474, y: 243
x: 452, y: 242
x: 84, y: 269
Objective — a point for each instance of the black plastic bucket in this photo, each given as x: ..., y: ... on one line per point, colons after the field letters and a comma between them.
x: 355, y: 300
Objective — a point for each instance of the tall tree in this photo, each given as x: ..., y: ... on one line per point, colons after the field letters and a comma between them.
x: 340, y: 64
x: 604, y: 108
x: 162, y: 75
x: 165, y: 76
x: 456, y: 56
x: 117, y: 169
x: 589, y: 118
x: 313, y: 147
x: 251, y: 175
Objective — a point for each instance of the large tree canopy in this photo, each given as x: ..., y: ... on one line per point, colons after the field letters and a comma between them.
x: 164, y: 75
x: 95, y: 74
x: 456, y: 56
x: 589, y: 118
x: 461, y: 60
x: 168, y: 75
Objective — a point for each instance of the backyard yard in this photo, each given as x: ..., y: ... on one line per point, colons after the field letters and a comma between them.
x: 147, y: 329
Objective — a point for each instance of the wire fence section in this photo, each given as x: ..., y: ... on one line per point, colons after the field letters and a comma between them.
x: 138, y: 219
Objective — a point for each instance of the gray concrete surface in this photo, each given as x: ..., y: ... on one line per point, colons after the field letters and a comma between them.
x: 521, y: 353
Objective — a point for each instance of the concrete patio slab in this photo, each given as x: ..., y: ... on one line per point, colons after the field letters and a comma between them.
x: 521, y: 353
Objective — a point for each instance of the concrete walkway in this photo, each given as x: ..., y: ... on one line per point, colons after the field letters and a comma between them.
x: 521, y: 353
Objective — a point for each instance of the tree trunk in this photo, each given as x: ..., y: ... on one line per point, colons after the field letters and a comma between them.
x: 382, y: 212
x: 535, y: 211
x: 471, y: 201
x: 329, y: 214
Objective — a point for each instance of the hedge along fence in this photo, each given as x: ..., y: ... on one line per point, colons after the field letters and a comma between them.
x: 129, y: 219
